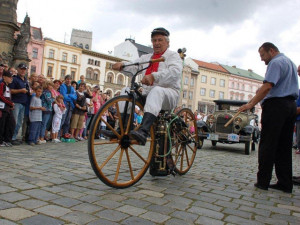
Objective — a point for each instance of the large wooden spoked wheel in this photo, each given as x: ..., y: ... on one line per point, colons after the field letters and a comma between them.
x: 118, y: 162
x: 185, y: 142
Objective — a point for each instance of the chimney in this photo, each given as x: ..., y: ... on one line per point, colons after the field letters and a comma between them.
x: 130, y: 39
x: 250, y: 70
x: 234, y: 66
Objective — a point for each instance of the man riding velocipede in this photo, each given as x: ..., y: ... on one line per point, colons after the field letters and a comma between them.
x: 161, y: 83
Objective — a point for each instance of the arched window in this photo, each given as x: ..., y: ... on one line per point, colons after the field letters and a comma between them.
x: 96, y: 74
x: 89, y: 72
x: 110, y: 78
x: 80, y: 45
x: 120, y: 80
x: 87, y: 47
x: 75, y: 44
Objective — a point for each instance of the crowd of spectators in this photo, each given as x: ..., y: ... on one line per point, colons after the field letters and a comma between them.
x: 46, y: 110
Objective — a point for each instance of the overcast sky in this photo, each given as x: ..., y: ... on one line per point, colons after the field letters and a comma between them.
x: 225, y: 31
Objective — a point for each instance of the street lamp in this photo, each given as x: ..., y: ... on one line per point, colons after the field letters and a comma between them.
x: 181, y: 52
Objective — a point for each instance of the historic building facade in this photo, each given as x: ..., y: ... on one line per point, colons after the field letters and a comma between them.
x: 60, y: 59
x: 130, y: 50
x: 35, y: 49
x: 212, y: 84
x: 243, y: 84
x: 188, y: 88
x: 96, y: 67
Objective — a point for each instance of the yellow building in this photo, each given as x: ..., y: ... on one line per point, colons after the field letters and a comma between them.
x: 60, y: 59
x: 189, y: 88
x: 212, y: 84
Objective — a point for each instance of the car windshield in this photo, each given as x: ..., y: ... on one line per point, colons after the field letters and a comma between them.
x: 226, y: 107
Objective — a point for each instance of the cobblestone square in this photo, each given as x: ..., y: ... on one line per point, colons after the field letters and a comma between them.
x: 55, y: 184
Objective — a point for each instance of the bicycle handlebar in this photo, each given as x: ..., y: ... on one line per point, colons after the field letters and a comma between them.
x: 161, y: 59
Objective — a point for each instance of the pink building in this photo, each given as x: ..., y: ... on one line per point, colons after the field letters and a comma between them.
x: 243, y: 84
x: 35, y: 50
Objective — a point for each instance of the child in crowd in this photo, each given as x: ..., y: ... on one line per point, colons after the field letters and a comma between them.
x: 25, y: 126
x: 103, y: 124
x: 47, y: 100
x: 78, y: 116
x: 59, y: 109
x: 74, y: 84
x: 139, y: 117
x: 35, y: 117
x: 7, y: 120
x: 82, y: 78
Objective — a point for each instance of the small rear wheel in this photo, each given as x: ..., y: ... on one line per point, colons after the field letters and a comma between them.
x: 118, y: 162
x: 247, y: 148
x: 214, y: 143
x: 185, y: 142
x: 200, y: 140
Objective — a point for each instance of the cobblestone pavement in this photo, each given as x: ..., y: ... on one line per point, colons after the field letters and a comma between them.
x: 54, y: 184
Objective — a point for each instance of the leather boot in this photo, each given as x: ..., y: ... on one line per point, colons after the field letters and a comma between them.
x: 110, y: 134
x: 142, y: 133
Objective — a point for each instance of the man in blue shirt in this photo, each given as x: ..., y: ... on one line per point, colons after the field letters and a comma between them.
x: 20, y: 96
x: 278, y: 94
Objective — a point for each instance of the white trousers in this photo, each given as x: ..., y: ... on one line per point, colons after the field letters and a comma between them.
x: 158, y: 98
x: 56, y: 124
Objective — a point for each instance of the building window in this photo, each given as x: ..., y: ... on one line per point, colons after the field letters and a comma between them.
x: 110, y: 78
x: 120, y: 80
x: 49, y: 71
x: 221, y: 95
x: 184, y: 94
x: 73, y: 74
x: 33, y: 69
x: 243, y: 87
x: 64, y: 57
x: 202, y: 91
x: 75, y: 44
x: 80, y: 45
x: 213, y: 81
x: 62, y: 73
x: 51, y: 54
x: 212, y: 93
x: 203, y: 79
x: 222, y: 83
x: 95, y: 76
x: 236, y: 96
x: 232, y: 84
x: 87, y: 47
x: 74, y: 59
x: 238, y: 86
x: 97, y: 63
x: 192, y: 82
x: 35, y: 53
x: 190, y: 107
x: 186, y: 80
x: 88, y: 73
x: 190, y: 95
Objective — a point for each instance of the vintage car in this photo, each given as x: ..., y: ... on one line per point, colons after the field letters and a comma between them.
x: 243, y: 128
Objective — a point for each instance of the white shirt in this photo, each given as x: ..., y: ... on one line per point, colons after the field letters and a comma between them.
x: 168, y: 74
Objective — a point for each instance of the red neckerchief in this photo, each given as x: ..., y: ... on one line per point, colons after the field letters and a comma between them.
x: 154, y: 66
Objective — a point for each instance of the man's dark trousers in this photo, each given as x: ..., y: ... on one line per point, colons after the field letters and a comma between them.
x: 278, y: 119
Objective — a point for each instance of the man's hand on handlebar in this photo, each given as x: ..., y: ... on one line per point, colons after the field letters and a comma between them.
x: 118, y: 66
x: 148, y: 80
